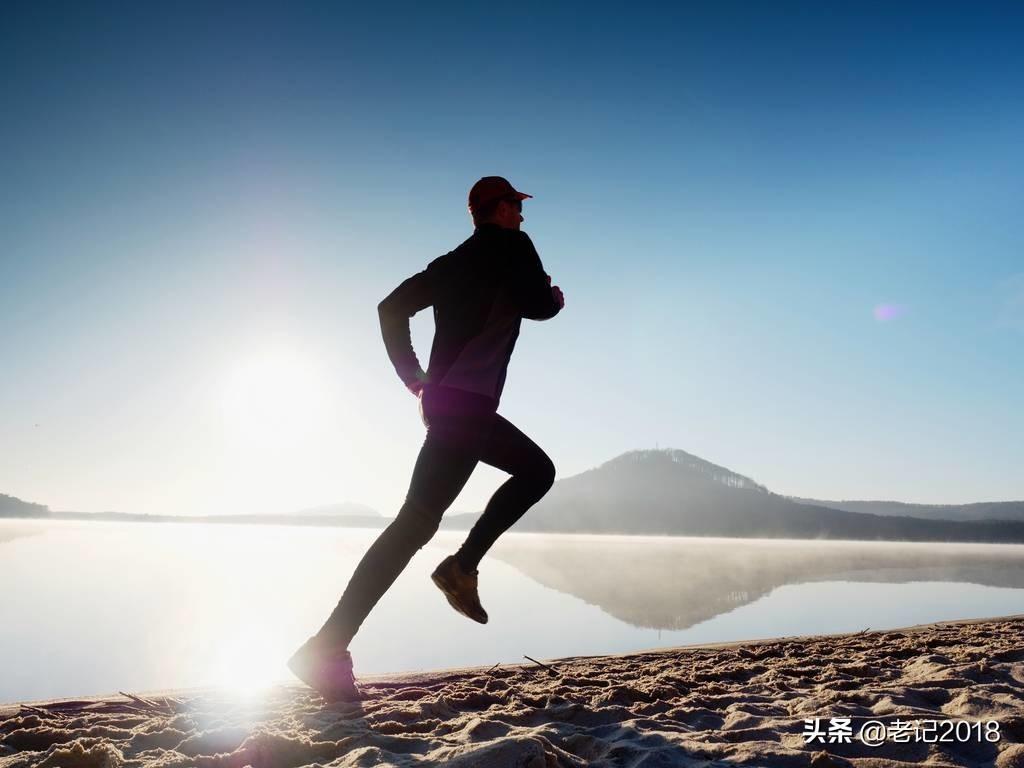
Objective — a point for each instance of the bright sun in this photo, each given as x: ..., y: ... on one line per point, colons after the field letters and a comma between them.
x: 275, y: 429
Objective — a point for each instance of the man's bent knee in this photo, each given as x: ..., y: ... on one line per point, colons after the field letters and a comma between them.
x: 544, y: 474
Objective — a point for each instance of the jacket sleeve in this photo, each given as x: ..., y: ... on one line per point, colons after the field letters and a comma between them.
x: 532, y: 287
x: 406, y: 300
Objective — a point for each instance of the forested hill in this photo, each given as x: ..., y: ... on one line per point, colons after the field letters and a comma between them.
x: 984, y: 510
x: 12, y: 507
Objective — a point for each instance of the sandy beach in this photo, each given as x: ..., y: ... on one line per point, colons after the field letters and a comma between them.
x: 738, y: 703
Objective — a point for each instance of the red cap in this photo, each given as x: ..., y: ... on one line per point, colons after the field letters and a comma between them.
x: 492, y: 188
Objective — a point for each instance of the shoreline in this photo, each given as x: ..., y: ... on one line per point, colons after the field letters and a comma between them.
x: 700, y: 704
x: 8, y: 708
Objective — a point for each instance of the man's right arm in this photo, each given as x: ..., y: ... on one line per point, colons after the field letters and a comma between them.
x: 406, y: 300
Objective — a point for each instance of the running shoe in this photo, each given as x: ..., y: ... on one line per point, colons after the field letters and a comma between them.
x: 459, y: 587
x: 326, y: 670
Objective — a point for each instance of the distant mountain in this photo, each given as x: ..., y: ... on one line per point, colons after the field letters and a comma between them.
x: 674, y: 492
x: 344, y: 509
x: 985, y: 510
x: 12, y: 507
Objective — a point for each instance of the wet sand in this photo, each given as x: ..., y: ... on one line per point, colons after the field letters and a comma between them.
x: 737, y: 703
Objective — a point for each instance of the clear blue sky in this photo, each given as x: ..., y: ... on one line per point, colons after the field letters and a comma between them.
x: 789, y: 237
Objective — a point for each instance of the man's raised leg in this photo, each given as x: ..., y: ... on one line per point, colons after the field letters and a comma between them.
x: 533, y: 474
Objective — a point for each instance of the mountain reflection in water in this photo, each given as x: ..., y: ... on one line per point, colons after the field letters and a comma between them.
x: 674, y: 583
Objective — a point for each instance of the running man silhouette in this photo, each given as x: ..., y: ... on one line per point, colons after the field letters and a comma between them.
x: 480, y: 293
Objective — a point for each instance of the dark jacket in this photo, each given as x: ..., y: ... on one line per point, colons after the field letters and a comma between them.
x: 480, y: 292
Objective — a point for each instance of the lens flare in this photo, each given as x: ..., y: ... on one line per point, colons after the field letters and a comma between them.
x: 884, y: 313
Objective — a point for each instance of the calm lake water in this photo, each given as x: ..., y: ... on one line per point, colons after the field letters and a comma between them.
x: 92, y: 608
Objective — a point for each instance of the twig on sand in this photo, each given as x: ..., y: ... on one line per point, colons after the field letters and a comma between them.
x: 138, y: 700
x: 165, y: 705
x: 863, y: 630
x: 493, y: 668
x: 170, y: 704
x: 41, y: 711
x: 550, y: 670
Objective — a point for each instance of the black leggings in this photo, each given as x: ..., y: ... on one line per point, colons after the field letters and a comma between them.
x: 462, y: 429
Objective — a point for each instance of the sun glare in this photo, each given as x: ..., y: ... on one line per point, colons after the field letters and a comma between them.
x: 248, y: 664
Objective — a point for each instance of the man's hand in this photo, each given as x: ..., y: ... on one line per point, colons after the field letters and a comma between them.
x: 416, y: 385
x: 556, y: 293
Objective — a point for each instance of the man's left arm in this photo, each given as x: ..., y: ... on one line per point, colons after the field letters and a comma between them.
x: 537, y: 298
